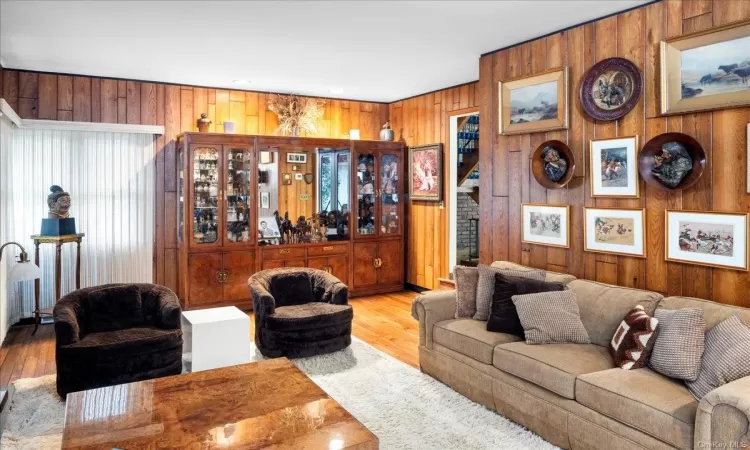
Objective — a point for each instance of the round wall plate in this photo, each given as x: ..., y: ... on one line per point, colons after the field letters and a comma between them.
x: 537, y: 165
x: 654, y: 147
x: 611, y: 88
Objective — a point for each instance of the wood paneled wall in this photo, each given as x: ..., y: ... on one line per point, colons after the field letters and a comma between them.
x: 87, y: 99
x: 634, y: 35
x: 418, y: 121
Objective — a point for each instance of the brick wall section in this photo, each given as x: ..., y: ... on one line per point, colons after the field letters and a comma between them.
x: 467, y: 209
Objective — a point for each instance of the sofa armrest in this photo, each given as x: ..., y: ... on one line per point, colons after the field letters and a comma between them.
x: 431, y: 308
x: 723, y: 417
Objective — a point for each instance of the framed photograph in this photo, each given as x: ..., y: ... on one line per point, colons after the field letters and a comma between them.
x: 614, y: 167
x: 545, y: 224
x: 266, y: 157
x: 265, y: 200
x: 295, y: 167
x: 534, y: 103
x: 268, y: 228
x: 426, y: 172
x: 706, y: 70
x: 298, y: 176
x: 707, y: 238
x: 615, y: 231
x: 296, y: 158
x: 286, y: 178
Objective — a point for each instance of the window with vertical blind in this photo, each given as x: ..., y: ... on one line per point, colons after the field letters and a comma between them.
x: 111, y: 180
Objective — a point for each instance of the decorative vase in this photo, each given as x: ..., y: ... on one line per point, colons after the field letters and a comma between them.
x: 203, y: 123
x: 387, y: 134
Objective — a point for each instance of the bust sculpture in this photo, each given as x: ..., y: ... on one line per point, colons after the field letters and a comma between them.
x: 58, y: 202
x: 673, y: 165
x: 555, y: 165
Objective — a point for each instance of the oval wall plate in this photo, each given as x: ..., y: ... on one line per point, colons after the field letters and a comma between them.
x: 611, y: 88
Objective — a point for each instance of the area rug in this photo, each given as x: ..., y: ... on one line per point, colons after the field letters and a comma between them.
x: 405, y: 408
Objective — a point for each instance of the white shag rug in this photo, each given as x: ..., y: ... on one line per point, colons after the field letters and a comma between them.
x: 405, y: 408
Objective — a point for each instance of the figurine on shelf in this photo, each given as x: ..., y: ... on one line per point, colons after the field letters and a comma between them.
x: 204, y: 123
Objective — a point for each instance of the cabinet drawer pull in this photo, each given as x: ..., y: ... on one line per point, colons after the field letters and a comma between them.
x: 328, y: 247
x: 284, y: 251
x: 222, y: 276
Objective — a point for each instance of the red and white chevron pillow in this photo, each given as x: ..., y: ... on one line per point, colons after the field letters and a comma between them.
x: 634, y: 339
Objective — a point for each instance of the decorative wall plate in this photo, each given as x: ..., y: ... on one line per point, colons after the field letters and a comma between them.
x: 668, y: 173
x: 611, y: 88
x: 546, y: 171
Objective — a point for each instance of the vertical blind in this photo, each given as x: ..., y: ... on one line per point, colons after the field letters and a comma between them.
x: 6, y: 144
x: 111, y: 181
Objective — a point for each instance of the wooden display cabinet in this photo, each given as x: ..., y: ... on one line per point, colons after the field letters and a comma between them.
x: 230, y: 185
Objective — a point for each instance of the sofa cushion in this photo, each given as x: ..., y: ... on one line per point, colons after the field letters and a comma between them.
x: 552, y: 366
x: 632, y: 343
x: 486, y: 286
x: 602, y: 307
x: 466, y: 291
x: 645, y: 400
x: 550, y: 277
x: 503, y: 314
x: 308, y: 316
x: 115, y: 308
x: 550, y: 318
x: 679, y: 346
x: 470, y: 337
x: 727, y: 356
x: 713, y: 312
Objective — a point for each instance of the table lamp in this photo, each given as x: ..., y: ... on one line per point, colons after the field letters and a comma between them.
x: 25, y: 269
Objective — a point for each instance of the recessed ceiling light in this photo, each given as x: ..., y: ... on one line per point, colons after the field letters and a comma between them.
x: 336, y: 90
x: 240, y: 82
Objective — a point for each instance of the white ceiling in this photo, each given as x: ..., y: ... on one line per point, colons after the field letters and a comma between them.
x: 379, y: 51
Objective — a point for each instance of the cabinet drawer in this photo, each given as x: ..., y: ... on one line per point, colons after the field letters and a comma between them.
x: 327, y: 249
x: 283, y: 253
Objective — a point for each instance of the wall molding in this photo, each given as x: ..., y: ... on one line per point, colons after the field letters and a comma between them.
x: 61, y: 125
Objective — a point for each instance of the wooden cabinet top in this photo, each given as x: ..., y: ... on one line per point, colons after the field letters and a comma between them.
x: 249, y: 139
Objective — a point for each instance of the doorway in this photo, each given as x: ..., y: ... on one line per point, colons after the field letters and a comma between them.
x: 463, y: 181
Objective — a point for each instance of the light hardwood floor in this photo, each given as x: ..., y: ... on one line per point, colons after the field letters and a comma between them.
x: 383, y: 321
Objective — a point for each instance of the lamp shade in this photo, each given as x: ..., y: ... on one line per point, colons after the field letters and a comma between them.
x: 24, y: 271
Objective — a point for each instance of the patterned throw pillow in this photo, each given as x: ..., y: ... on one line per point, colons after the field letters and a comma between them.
x: 679, y: 346
x: 727, y: 356
x: 503, y: 315
x: 551, y: 317
x: 486, y: 286
x: 466, y: 291
x: 632, y: 343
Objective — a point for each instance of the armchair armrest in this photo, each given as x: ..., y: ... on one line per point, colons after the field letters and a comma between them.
x: 170, y: 312
x: 67, y: 328
x: 263, y: 302
x: 723, y: 417
x: 431, y: 308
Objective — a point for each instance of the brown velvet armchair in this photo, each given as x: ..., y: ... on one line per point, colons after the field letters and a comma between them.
x: 114, y: 334
x: 300, y: 312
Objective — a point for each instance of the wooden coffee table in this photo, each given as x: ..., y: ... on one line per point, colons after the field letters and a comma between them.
x: 251, y: 406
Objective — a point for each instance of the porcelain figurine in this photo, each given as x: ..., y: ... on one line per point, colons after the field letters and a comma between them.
x: 58, y: 202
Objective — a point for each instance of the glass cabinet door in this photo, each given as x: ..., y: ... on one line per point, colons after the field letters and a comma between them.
x: 365, y: 182
x: 389, y: 193
x: 205, y: 196
x: 238, y: 170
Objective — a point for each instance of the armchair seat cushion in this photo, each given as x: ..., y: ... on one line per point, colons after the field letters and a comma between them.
x: 309, y: 316
x: 131, y: 341
x: 643, y: 399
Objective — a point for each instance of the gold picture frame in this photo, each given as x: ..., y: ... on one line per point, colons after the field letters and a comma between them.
x: 637, y: 215
x: 426, y: 172
x: 702, y: 85
x: 677, y: 249
x: 532, y: 107
x: 596, y: 181
x: 560, y: 239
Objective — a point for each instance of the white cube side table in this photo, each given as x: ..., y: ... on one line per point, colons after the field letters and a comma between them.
x: 215, y: 337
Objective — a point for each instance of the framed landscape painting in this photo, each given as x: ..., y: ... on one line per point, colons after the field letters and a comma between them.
x: 534, y: 103
x: 545, y: 224
x: 707, y: 238
x: 615, y: 231
x: 426, y: 172
x: 706, y: 70
x: 614, y: 167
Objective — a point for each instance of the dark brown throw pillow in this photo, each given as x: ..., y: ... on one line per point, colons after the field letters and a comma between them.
x: 634, y: 339
x: 503, y: 314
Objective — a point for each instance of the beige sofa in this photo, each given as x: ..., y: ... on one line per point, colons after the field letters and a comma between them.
x: 573, y: 395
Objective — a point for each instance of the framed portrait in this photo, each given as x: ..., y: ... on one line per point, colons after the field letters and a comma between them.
x: 706, y: 70
x: 266, y: 157
x: 286, y: 179
x: 268, y: 228
x: 615, y: 231
x: 300, y: 158
x: 707, y: 238
x: 265, y: 200
x: 614, y: 167
x: 534, y: 103
x: 426, y: 172
x: 545, y: 224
